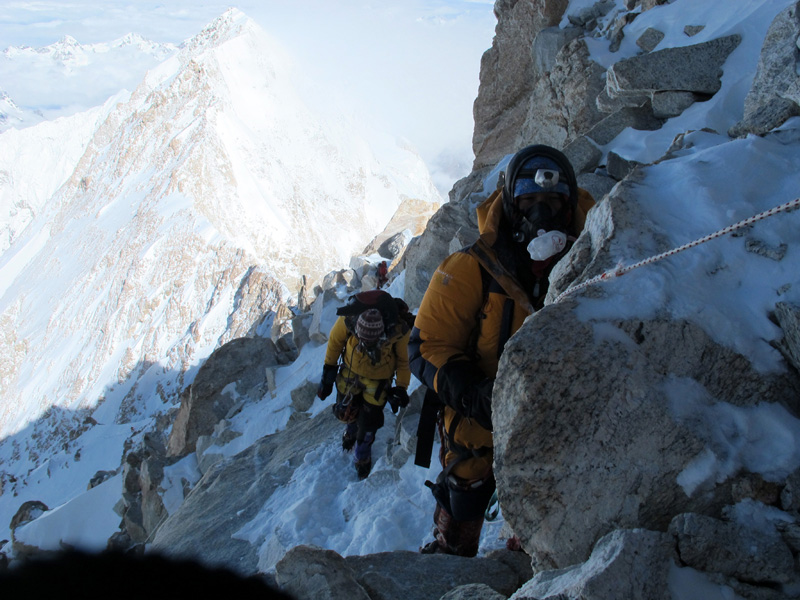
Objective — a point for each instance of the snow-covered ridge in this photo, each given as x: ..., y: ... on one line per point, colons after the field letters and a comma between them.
x: 66, y: 66
x: 70, y: 52
x: 213, y: 170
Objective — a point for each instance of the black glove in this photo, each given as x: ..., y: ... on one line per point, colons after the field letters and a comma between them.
x: 478, y: 403
x: 465, y: 389
x: 398, y: 398
x: 328, y: 379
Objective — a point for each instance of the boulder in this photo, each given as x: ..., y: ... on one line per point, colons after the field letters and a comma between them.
x: 100, y: 477
x: 300, y: 330
x: 316, y: 330
x: 609, y: 127
x: 394, y: 246
x: 650, y: 39
x: 304, y: 395
x: 616, y: 30
x: 631, y: 564
x: 587, y: 17
x: 310, y: 572
x: 408, y: 221
x: 618, y: 167
x: 695, y: 69
x: 473, y: 591
x: 239, y: 364
x: 592, y: 450
x: 775, y: 94
x: 693, y: 30
x: 596, y: 184
x: 670, y: 104
x: 548, y: 43
x: 562, y: 106
x: 27, y: 512
x: 433, y: 246
x: 788, y: 317
x: 747, y: 553
x: 607, y: 104
x: 583, y: 154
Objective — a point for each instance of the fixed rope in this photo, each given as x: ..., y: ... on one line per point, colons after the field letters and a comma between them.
x: 621, y: 269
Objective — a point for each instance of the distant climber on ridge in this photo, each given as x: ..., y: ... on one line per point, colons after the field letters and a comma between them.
x: 383, y: 274
x: 367, y: 349
x: 477, y: 298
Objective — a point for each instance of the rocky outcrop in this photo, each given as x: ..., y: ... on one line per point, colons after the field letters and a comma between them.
x: 558, y: 108
x: 142, y: 508
x: 30, y: 510
x: 427, y: 251
x: 696, y: 69
x: 235, y: 370
x: 753, y: 552
x: 775, y: 94
x: 506, y: 76
x: 407, y: 222
x: 557, y: 95
x: 255, y: 300
x: 232, y: 492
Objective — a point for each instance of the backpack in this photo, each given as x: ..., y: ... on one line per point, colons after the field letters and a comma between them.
x: 393, y: 310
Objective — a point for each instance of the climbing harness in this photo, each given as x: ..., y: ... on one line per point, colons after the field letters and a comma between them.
x: 493, y: 509
x: 622, y: 270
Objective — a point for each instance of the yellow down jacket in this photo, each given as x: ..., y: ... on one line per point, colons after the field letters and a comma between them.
x: 358, y: 374
x: 461, y: 318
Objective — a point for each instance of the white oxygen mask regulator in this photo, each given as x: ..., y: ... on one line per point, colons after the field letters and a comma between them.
x: 547, y: 244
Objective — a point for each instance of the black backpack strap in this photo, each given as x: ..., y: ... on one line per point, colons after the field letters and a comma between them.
x: 490, y: 284
x: 505, y: 325
x: 426, y: 429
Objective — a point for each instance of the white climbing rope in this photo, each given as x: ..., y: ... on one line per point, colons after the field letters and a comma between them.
x: 620, y: 269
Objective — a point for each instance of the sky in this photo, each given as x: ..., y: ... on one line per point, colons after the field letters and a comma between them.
x: 729, y: 292
x: 411, y: 67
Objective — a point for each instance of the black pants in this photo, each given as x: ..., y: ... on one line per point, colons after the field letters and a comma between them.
x: 369, y: 420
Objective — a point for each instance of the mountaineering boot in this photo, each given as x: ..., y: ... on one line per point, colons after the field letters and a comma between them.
x: 363, y: 455
x: 433, y: 548
x: 363, y: 467
x: 453, y: 537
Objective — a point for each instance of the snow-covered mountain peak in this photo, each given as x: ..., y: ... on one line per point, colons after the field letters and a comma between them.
x: 197, y: 205
x: 228, y: 25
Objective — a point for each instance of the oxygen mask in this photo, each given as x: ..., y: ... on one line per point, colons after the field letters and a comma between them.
x: 541, y: 224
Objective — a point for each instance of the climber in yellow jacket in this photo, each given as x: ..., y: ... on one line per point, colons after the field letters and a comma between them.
x: 367, y: 349
x: 477, y: 298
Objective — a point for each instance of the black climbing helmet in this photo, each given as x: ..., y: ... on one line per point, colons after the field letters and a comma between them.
x: 519, y: 168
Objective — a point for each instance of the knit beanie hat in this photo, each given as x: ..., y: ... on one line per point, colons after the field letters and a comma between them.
x: 369, y: 326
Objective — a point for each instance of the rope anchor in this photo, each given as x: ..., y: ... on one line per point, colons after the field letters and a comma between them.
x: 622, y: 270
